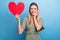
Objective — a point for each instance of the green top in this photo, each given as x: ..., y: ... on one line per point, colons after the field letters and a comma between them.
x: 30, y: 29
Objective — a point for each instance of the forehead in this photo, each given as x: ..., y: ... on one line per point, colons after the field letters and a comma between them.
x: 33, y: 6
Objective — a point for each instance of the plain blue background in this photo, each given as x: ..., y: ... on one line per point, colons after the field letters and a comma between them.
x: 49, y: 11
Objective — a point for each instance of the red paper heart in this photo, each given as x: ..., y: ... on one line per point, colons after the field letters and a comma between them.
x: 16, y: 9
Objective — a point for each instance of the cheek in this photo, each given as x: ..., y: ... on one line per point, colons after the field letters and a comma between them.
x: 36, y: 11
x: 31, y: 11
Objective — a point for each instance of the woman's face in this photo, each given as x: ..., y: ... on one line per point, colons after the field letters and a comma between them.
x: 34, y: 10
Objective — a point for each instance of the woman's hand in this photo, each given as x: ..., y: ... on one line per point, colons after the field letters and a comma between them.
x: 17, y: 17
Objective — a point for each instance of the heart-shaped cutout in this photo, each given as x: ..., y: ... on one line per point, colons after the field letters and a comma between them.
x: 16, y: 9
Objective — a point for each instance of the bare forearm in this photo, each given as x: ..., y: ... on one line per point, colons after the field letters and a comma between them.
x: 20, y: 30
x: 38, y: 27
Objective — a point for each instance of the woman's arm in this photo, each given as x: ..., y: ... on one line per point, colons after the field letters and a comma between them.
x: 20, y: 30
x: 38, y: 27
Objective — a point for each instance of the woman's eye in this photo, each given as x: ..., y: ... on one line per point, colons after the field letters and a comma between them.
x: 34, y: 8
x: 31, y: 8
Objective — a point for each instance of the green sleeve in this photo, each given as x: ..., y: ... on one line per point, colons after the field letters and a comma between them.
x: 41, y: 23
x: 24, y: 23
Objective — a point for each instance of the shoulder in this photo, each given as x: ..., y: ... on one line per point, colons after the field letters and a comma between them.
x: 41, y: 19
x: 25, y: 19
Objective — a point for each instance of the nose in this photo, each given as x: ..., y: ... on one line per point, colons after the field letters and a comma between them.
x: 33, y: 11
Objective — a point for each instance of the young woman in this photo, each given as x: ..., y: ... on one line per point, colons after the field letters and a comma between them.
x: 32, y: 24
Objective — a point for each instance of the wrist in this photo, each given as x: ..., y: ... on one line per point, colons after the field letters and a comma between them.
x: 18, y: 20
